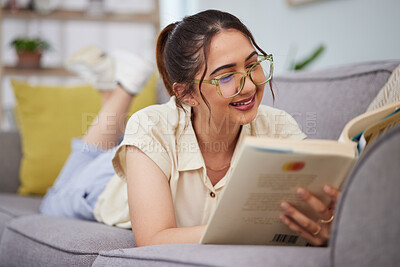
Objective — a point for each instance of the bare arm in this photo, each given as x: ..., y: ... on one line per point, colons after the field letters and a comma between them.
x: 150, y: 204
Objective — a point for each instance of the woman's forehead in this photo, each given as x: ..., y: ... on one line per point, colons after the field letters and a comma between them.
x: 229, y: 46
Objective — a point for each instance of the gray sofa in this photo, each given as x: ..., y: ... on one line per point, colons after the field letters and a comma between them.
x: 366, y: 229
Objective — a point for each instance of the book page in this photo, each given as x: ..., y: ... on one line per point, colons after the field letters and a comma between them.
x: 363, y: 121
x: 372, y: 132
x: 249, y: 208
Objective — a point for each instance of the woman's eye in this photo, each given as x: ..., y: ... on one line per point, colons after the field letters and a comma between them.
x: 251, y: 65
x: 226, y: 79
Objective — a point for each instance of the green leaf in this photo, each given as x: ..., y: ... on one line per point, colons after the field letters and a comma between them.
x: 30, y: 44
x: 302, y: 64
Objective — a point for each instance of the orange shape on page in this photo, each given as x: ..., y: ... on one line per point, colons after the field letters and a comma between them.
x: 293, y: 166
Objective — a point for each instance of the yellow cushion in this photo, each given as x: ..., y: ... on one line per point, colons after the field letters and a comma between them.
x: 48, y: 118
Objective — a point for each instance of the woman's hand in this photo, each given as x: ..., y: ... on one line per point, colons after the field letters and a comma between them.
x: 315, y: 232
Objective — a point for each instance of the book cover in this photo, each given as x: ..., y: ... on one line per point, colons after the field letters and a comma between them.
x: 268, y: 171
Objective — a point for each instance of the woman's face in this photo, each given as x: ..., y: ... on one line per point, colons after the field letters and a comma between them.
x: 230, y: 51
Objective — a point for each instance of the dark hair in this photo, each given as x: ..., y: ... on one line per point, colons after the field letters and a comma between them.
x: 182, y: 47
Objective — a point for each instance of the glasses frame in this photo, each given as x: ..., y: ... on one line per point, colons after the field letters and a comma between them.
x: 260, y: 58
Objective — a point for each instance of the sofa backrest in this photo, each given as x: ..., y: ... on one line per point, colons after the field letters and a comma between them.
x: 10, y: 157
x: 366, y: 231
x: 322, y: 102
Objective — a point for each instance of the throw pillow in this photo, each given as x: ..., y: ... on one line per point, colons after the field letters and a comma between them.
x: 48, y: 118
x: 390, y: 91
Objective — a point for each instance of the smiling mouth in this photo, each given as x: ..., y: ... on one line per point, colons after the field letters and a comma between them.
x: 243, y: 102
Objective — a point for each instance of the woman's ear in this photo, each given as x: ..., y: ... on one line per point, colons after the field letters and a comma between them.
x: 180, y: 90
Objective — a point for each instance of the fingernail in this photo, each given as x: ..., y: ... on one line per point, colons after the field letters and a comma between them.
x: 285, y: 205
x: 327, y: 188
x: 300, y: 192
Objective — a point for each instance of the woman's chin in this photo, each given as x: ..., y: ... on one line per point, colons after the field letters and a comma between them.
x: 247, y: 117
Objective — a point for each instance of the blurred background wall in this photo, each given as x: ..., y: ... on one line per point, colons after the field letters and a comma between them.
x: 69, y: 35
x: 350, y: 31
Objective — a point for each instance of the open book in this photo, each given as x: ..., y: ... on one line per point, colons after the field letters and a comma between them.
x: 268, y: 171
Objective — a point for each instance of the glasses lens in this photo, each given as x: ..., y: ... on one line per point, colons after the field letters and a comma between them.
x: 230, y: 84
x: 261, y: 72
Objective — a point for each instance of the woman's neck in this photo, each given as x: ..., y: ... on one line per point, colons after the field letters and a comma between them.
x: 217, y: 142
x: 215, y: 137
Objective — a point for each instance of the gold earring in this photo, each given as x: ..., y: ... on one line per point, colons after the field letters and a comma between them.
x: 193, y: 103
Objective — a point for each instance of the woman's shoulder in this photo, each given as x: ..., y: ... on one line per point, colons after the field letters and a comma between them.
x: 161, y: 115
x: 153, y: 131
x: 168, y: 108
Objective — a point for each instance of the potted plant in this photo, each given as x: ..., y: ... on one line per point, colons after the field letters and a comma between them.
x: 29, y: 51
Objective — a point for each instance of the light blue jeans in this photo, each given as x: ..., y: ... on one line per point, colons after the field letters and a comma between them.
x: 83, y: 178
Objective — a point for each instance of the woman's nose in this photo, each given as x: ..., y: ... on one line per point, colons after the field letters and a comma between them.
x: 248, y: 85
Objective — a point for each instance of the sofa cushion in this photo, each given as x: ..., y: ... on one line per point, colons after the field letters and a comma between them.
x: 12, y: 206
x: 322, y: 102
x: 366, y: 230
x: 214, y: 255
x: 55, y: 241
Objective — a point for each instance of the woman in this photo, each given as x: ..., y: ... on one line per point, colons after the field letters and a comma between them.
x: 175, y: 157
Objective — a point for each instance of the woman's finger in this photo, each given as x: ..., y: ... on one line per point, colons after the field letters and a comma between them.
x: 317, y: 238
x: 298, y: 217
x: 332, y: 192
x: 314, y: 202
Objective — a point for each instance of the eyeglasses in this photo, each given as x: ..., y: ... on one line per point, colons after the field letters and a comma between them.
x: 230, y: 84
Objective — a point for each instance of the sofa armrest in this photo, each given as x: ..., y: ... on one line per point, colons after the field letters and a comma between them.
x: 215, y: 255
x: 10, y: 157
